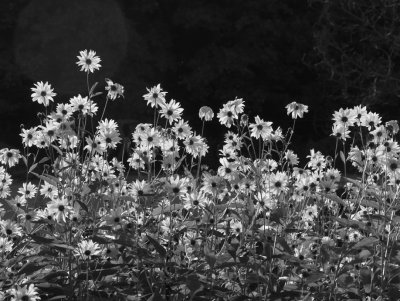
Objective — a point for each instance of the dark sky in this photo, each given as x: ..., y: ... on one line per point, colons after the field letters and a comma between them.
x: 202, y: 52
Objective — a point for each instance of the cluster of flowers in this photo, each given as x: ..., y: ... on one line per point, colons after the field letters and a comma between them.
x: 257, y: 214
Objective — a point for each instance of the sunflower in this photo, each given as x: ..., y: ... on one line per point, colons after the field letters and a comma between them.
x: 296, y: 109
x: 9, y: 157
x: 43, y: 93
x: 24, y: 293
x: 114, y: 90
x: 87, y: 248
x: 171, y: 111
x: 88, y: 61
x: 155, y: 96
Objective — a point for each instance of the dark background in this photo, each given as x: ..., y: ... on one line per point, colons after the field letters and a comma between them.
x: 326, y: 54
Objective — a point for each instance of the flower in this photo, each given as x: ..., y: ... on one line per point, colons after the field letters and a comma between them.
x: 171, y: 111
x: 24, y: 293
x: 60, y: 208
x: 88, y: 61
x: 227, y: 115
x: 29, y: 136
x: 206, y: 113
x: 344, y: 117
x: 155, y: 96
x: 28, y: 190
x: 10, y: 228
x: 87, y: 248
x: 42, y: 93
x: 260, y: 128
x: 114, y: 90
x: 83, y: 105
x: 9, y: 157
x: 296, y: 109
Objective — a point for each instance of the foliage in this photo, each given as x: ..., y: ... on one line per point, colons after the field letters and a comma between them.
x: 156, y: 224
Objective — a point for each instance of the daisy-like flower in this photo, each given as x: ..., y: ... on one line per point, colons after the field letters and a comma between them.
x: 265, y: 203
x: 227, y: 170
x: 196, y: 146
x: 88, y: 61
x: 136, y: 161
x: 87, y: 248
x: 277, y: 182
x: 359, y: 112
x: 95, y: 146
x: 237, y: 105
x: 115, y: 218
x: 151, y: 138
x: 211, y: 184
x: 291, y: 158
x: 83, y: 105
x: 29, y: 136
x: 260, y: 128
x: 24, y: 293
x: 296, y: 109
x: 114, y: 90
x: 43, y: 93
x: 236, y: 227
x: 65, y: 109
x: 341, y: 132
x: 310, y: 213
x: 155, y: 96
x: 370, y: 120
x: 10, y: 228
x: 110, y: 139
x: 60, y: 208
x: 5, y: 246
x: 171, y: 111
x: 28, y: 190
x: 344, y: 117
x: 380, y: 134
x: 206, y: 113
x: 176, y: 186
x: 392, y: 126
x: 182, y: 129
x: 227, y: 116
x: 139, y: 188
x: 195, y: 199
x: 48, y: 190
x: 9, y: 157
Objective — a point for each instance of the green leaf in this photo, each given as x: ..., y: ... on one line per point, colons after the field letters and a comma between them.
x: 342, y: 157
x: 32, y: 168
x: 159, y: 248
x: 83, y: 205
x: 59, y: 151
x: 210, y: 256
x: 44, y: 159
x: 41, y: 240
x: 366, y: 242
x: 52, y: 180
x: 156, y: 297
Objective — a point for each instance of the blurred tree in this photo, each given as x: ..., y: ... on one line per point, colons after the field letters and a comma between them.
x: 357, y: 46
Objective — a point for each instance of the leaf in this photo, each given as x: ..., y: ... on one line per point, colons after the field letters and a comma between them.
x: 365, y: 277
x: 25, y: 160
x: 57, y: 298
x: 32, y: 167
x: 31, y: 267
x: 210, y: 256
x: 94, y: 87
x: 366, y: 242
x: 47, y: 178
x: 342, y: 157
x: 83, y: 205
x: 335, y: 198
x: 41, y: 240
x: 44, y: 159
x: 62, y: 246
x: 59, y: 151
x: 156, y: 297
x: 159, y: 248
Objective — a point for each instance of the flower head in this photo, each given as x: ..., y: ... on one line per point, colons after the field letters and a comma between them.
x: 206, y: 113
x: 88, y: 61
x: 296, y: 109
x: 43, y: 93
x: 114, y: 90
x: 19, y: 293
x: 155, y: 96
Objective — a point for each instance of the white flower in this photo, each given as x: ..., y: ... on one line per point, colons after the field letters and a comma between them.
x: 43, y: 93
x: 88, y: 61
